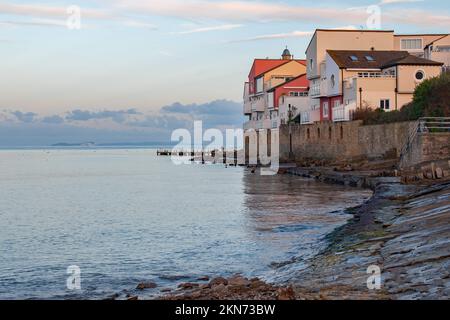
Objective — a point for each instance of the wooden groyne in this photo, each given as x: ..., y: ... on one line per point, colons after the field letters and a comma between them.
x: 231, y: 157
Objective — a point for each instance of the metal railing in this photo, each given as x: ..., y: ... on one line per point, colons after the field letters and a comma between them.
x: 423, y: 125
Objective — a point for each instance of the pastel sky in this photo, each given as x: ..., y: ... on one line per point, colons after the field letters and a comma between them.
x: 144, y: 55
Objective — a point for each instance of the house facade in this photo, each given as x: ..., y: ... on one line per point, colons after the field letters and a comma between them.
x: 264, y: 88
x: 349, y: 69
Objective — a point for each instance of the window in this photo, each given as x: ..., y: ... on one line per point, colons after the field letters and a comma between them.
x: 259, y: 84
x: 385, y: 104
x: 420, y: 75
x: 298, y: 94
x: 311, y: 62
x: 337, y: 103
x: 370, y: 58
x: 354, y: 58
x: 333, y: 81
x: 411, y: 44
x: 325, y: 109
x: 442, y: 49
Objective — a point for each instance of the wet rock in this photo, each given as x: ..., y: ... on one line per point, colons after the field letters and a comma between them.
x: 166, y: 290
x: 439, y: 173
x: 218, y: 281
x: 286, y: 294
x: 146, y: 285
x: 205, y: 278
x: 113, y: 297
x: 238, y: 281
x: 220, y: 288
x: 134, y: 298
x: 188, y: 285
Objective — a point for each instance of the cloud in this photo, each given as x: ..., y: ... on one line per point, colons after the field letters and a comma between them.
x: 259, y: 11
x: 293, y: 34
x: 128, y: 125
x: 53, y: 119
x: 117, y: 116
x: 218, y: 113
x: 382, y: 2
x: 233, y: 13
x: 27, y: 117
x: 214, y: 28
x: 139, y: 24
x: 48, y: 11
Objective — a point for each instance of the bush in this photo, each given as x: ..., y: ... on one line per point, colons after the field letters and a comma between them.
x: 431, y: 99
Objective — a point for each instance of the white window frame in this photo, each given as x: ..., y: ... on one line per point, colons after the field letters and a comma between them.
x: 383, y: 101
x: 326, y: 108
x: 403, y: 46
x: 424, y: 75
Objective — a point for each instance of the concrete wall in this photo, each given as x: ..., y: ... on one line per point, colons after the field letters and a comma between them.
x: 346, y: 141
x: 428, y: 147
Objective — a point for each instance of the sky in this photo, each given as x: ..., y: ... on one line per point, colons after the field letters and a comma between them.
x: 133, y: 70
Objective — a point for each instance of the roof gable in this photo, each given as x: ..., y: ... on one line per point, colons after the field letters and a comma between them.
x: 299, y: 80
x: 262, y: 66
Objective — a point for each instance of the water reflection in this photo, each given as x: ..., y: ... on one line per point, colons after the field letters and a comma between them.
x: 292, y: 215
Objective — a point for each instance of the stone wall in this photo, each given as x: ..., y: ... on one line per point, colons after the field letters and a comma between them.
x: 341, y: 142
x: 426, y: 148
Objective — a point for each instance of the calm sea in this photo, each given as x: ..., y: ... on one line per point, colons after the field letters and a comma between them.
x: 127, y: 216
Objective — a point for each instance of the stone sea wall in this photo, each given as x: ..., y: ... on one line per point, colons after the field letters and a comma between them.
x: 346, y: 141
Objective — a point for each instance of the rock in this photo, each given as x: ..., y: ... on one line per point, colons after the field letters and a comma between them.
x: 348, y: 168
x: 146, y: 285
x: 286, y: 294
x: 113, y: 297
x: 428, y: 175
x: 188, y: 285
x: 205, y: 278
x: 439, y: 173
x: 219, y: 288
x: 238, y: 281
x: 134, y: 298
x: 166, y: 290
x: 218, y: 281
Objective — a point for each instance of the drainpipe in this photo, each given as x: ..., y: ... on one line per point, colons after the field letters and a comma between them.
x: 396, y: 87
x: 360, y: 97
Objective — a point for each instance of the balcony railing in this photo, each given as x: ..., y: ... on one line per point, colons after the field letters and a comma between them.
x: 247, y: 107
x: 343, y: 112
x: 258, y: 104
x: 318, y: 89
x: 309, y: 117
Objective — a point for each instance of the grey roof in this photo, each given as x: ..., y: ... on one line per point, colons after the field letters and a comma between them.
x: 286, y: 52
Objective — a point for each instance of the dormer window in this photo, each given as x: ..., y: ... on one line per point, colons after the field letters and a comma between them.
x: 370, y: 58
x: 354, y: 58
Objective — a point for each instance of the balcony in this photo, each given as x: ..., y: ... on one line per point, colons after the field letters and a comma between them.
x: 258, y: 124
x: 258, y: 104
x: 318, y: 89
x: 309, y: 117
x: 247, y: 108
x: 343, y: 112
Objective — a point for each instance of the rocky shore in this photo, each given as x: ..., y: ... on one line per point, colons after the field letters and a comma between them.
x: 404, y: 230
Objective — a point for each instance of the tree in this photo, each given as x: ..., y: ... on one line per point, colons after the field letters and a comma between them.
x: 431, y: 99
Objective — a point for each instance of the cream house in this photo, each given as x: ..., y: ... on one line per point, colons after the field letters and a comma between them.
x: 372, y: 79
x: 377, y: 69
x: 316, y: 54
